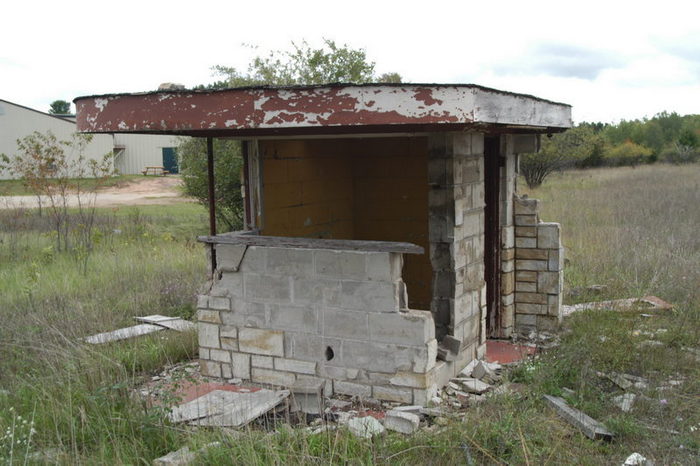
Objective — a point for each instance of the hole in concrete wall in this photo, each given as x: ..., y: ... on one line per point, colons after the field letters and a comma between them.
x: 329, y: 353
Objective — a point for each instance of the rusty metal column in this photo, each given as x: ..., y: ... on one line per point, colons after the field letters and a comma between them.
x: 212, y: 201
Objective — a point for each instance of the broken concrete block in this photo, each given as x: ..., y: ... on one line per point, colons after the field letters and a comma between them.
x: 484, y: 373
x: 365, y: 427
x: 625, y: 401
x: 635, y: 459
x: 467, y: 371
x: 589, y: 426
x: 308, y: 395
x: 473, y: 385
x: 401, y: 421
x: 181, y: 457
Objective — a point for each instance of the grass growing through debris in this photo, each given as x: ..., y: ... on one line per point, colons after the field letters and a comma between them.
x: 629, y: 229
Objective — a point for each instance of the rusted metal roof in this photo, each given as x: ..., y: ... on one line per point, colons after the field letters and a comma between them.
x: 322, y: 109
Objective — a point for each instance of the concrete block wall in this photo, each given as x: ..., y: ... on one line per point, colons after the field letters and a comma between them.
x: 508, y: 186
x: 539, y: 259
x: 280, y: 315
x: 456, y: 233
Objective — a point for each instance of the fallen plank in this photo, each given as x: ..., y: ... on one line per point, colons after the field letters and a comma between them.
x: 171, y: 323
x: 227, y: 409
x: 589, y: 426
x: 123, y: 333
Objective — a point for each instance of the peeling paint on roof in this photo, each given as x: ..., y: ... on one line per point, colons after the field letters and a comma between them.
x: 330, y: 106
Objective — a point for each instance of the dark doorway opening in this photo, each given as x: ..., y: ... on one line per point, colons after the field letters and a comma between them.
x: 170, y: 160
x: 492, y: 232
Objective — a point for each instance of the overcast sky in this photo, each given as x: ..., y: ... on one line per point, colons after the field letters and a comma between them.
x: 609, y: 59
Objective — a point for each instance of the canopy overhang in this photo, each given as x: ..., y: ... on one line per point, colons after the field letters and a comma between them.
x: 317, y: 110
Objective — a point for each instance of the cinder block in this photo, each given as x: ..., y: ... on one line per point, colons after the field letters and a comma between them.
x: 508, y: 266
x: 507, y: 316
x: 527, y: 287
x: 340, y: 264
x: 254, y: 260
x: 524, y: 243
x: 293, y: 365
x: 366, y: 296
x: 462, y: 144
x: 210, y: 368
x: 534, y: 254
x: 352, y: 389
x: 477, y: 143
x: 284, y: 261
x: 548, y: 282
x: 525, y: 321
x: 554, y: 305
x: 229, y: 256
x: 208, y: 335
x: 547, y: 323
x: 524, y: 276
x: 548, y: 236
x: 226, y: 372
x: 382, y: 357
x: 531, y: 298
x: 508, y: 255
x: 229, y: 343
x: 206, y: 315
x: 465, y: 306
x: 507, y: 283
x: 413, y: 379
x: 423, y: 396
x: 338, y: 373
x: 523, y: 206
x: 229, y: 285
x: 288, y: 317
x: 312, y: 291
x: 263, y: 362
x: 202, y: 301
x: 530, y: 265
x: 556, y: 260
x: 507, y: 237
x: 261, y: 341
x: 508, y: 299
x: 527, y: 232
x: 527, y: 308
x: 401, y: 395
x: 267, y: 288
x: 407, y: 328
x: 383, y: 266
x: 525, y: 221
x: 203, y: 353
x: 220, y: 355
x: 272, y: 377
x: 220, y: 303
x: 343, y: 323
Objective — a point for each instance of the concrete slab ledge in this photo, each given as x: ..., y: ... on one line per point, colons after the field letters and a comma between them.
x: 244, y: 238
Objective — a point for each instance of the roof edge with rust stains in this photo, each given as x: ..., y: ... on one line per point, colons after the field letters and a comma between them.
x: 319, y: 109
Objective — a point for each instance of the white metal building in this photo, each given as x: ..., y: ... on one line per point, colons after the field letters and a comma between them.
x: 132, y: 152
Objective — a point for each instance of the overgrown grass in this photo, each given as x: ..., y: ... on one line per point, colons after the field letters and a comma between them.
x: 18, y: 188
x: 629, y: 229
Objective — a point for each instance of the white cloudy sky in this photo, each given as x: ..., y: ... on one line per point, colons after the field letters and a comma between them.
x: 610, y: 59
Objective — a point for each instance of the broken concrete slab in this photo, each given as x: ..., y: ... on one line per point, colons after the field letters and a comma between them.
x: 401, y: 421
x: 123, y: 334
x: 227, y: 409
x: 483, y: 372
x: 171, y: 323
x: 625, y: 401
x: 473, y: 385
x: 181, y: 457
x: 589, y: 426
x: 627, y: 304
x: 365, y: 427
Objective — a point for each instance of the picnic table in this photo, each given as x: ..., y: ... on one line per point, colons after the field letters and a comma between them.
x: 155, y: 171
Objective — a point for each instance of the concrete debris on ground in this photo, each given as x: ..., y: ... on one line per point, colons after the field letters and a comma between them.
x: 625, y: 381
x: 182, y: 457
x: 401, y: 421
x: 365, y: 427
x: 148, y: 325
x: 625, y: 401
x: 586, y: 424
x: 635, y: 459
x: 628, y: 304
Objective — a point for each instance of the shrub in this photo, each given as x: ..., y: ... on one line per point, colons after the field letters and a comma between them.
x: 627, y: 154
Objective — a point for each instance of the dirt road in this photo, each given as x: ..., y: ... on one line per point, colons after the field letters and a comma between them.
x: 163, y: 190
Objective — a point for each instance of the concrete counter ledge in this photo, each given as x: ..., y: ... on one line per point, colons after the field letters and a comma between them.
x: 250, y: 239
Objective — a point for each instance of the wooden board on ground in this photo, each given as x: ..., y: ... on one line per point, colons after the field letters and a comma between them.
x: 227, y: 409
x: 172, y: 323
x: 123, y: 333
x: 589, y: 426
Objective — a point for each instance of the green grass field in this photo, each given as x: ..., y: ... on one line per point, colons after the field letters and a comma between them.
x: 18, y: 188
x: 633, y: 230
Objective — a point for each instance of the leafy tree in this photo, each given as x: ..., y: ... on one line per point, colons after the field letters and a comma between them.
x: 302, y: 64
x: 627, y: 153
x: 227, y: 167
x: 59, y: 107
x: 558, y: 152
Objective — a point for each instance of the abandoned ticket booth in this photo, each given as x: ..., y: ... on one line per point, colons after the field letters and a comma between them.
x: 383, y: 241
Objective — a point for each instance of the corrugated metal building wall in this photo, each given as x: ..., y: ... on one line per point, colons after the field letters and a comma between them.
x: 17, y: 121
x: 133, y: 152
